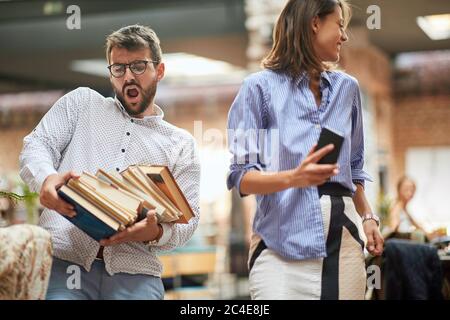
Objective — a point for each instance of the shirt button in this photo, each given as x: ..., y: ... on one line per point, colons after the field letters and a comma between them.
x: 318, y: 126
x: 123, y: 150
x: 117, y: 169
x: 132, y: 120
x: 128, y: 133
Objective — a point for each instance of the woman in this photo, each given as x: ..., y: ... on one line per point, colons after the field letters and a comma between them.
x: 308, y: 236
x: 400, y: 220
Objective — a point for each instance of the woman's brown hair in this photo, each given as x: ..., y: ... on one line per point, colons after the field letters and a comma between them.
x: 292, y: 50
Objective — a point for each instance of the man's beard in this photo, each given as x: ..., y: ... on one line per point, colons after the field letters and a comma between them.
x: 147, y: 95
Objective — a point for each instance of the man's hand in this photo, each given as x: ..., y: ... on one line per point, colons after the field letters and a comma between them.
x: 49, y: 197
x: 309, y: 173
x: 375, y: 241
x: 145, y: 230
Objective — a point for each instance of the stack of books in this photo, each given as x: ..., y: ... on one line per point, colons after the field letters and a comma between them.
x: 110, y: 201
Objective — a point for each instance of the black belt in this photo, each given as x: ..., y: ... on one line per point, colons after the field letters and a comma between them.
x: 100, y: 254
x: 259, y: 248
x: 334, y: 189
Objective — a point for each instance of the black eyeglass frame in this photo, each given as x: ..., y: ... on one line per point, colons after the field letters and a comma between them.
x: 125, y: 65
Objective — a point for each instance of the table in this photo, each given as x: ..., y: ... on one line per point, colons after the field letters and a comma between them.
x: 187, y: 262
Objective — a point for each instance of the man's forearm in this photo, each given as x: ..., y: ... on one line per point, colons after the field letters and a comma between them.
x: 178, y: 236
x: 34, y: 173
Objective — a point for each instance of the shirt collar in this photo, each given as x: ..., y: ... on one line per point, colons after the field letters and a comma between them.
x: 302, y: 77
x: 159, y: 113
x: 323, y: 76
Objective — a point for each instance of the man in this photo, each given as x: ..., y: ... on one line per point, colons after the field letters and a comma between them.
x: 84, y: 131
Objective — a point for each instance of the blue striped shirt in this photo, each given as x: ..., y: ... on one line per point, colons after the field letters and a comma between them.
x: 272, y: 125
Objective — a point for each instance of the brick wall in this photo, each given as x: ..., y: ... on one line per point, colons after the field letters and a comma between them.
x: 419, y: 122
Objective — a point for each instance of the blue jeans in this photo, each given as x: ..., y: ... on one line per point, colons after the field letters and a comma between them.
x: 97, y: 284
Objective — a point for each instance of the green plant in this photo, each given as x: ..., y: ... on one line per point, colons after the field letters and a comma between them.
x: 384, y: 205
x: 28, y: 198
x: 12, y: 195
x: 30, y: 201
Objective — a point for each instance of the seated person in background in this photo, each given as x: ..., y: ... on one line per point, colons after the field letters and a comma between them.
x: 401, y: 222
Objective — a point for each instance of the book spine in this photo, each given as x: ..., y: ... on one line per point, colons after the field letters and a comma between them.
x: 86, y: 221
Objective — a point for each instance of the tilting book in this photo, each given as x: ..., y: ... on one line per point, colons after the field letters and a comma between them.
x: 110, y: 202
x: 163, y: 180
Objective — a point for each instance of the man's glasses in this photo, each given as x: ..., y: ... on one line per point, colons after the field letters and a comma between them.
x: 137, y: 67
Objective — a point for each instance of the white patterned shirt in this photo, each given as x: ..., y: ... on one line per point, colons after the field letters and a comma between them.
x: 85, y: 131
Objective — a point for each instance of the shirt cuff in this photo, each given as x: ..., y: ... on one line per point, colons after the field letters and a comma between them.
x: 37, y: 179
x: 167, y: 234
x: 235, y: 177
x: 359, y: 174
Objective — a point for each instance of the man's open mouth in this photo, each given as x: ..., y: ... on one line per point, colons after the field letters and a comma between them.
x: 132, y: 91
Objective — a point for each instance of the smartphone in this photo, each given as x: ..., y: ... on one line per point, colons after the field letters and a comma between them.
x: 329, y: 137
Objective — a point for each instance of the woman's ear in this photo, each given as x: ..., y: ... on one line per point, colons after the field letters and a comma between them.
x: 315, y: 24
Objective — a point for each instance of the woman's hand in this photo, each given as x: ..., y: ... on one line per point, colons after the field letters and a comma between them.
x: 307, y: 174
x: 375, y: 241
x: 310, y: 173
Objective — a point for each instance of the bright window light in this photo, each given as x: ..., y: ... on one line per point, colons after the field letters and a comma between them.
x: 183, y: 64
x: 94, y: 67
x: 436, y: 27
